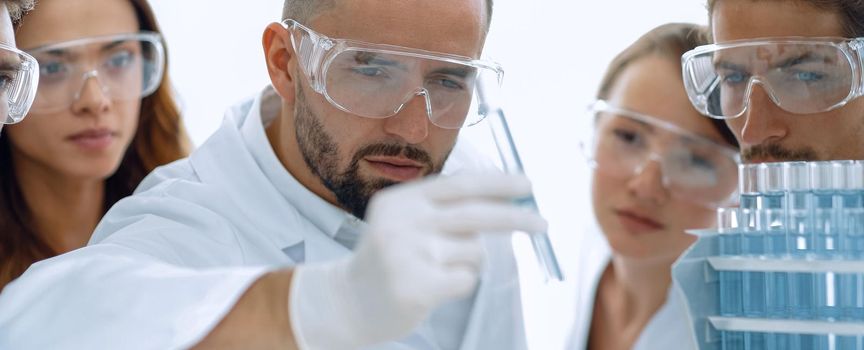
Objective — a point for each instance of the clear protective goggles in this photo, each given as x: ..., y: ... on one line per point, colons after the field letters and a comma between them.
x: 20, y: 76
x: 800, y: 75
x: 693, y: 167
x: 126, y: 67
x: 378, y: 81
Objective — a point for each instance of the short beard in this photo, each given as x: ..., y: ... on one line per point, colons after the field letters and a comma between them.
x: 775, y: 151
x: 321, y: 155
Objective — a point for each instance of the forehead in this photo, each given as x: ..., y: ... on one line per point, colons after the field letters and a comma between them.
x: 55, y: 21
x: 652, y: 85
x: 748, y: 19
x: 448, y: 26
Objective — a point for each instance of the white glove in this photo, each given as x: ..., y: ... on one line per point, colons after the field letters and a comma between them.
x: 421, y: 249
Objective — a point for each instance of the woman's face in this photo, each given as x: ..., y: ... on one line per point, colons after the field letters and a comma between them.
x: 87, y: 137
x: 638, y: 214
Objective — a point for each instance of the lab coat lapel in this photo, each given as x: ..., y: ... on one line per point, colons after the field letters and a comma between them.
x: 228, y: 165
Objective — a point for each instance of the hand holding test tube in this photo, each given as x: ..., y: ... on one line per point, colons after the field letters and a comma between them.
x: 512, y: 164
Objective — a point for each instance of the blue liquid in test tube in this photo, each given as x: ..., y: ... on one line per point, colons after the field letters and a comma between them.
x: 850, y: 216
x: 753, y: 242
x: 802, y: 295
x: 730, y: 245
x: 773, y: 225
x: 732, y: 340
x: 825, y: 226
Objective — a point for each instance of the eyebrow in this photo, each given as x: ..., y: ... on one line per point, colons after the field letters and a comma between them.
x: 64, y: 52
x: 372, y: 58
x: 456, y: 72
x: 789, y: 62
x: 804, y: 58
x: 728, y: 65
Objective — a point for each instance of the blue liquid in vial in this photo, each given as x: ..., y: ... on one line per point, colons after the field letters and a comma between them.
x: 850, y: 284
x: 800, y: 234
x: 825, y: 225
x: 732, y: 340
x: 803, y: 342
x: 777, y: 283
x: 730, y: 281
x: 755, y: 341
x: 778, y: 341
x: 753, y: 245
x: 849, y: 342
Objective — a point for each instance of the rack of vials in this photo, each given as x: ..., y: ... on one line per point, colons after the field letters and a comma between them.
x: 785, y: 269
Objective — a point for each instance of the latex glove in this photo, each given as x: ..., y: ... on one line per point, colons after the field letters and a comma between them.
x: 421, y: 249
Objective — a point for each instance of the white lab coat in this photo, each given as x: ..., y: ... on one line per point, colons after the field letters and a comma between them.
x: 667, y: 329
x: 165, y: 265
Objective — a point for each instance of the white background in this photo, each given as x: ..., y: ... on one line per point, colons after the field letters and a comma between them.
x: 554, y: 53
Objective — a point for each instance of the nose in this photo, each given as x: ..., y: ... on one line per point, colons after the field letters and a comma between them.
x: 412, y: 121
x: 762, y: 122
x: 92, y: 99
x: 647, y: 183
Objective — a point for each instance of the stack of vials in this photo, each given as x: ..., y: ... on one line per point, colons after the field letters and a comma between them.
x: 789, y: 258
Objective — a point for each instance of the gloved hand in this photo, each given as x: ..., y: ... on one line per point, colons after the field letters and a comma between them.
x: 421, y: 249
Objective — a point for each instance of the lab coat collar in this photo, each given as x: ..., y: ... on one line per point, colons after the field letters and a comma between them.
x: 262, y: 111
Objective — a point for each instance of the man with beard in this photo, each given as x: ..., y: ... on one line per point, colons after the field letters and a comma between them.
x: 250, y: 243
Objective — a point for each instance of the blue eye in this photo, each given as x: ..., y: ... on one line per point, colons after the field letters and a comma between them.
x: 734, y: 78
x: 449, y: 83
x: 809, y: 76
x: 368, y: 71
x: 51, y: 68
x: 700, y: 162
x: 120, y: 60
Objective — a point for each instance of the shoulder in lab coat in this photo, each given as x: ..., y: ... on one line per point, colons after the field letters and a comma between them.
x: 165, y: 265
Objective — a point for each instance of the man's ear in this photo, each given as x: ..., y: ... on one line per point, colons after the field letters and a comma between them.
x: 279, y: 55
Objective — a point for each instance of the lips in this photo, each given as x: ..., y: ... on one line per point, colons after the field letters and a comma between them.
x: 93, y: 139
x: 638, y: 223
x: 396, y: 168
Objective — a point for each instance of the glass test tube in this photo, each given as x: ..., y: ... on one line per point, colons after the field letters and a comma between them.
x: 800, y: 238
x: 513, y: 165
x: 730, y: 245
x: 753, y: 241
x: 772, y: 207
x: 825, y: 226
x: 851, y: 285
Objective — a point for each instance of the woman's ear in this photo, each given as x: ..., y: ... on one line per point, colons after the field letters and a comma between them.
x: 280, y: 57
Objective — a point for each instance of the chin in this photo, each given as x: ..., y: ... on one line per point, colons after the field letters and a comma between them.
x: 97, y: 170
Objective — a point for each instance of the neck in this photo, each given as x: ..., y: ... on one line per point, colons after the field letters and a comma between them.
x: 63, y: 210
x: 636, y: 287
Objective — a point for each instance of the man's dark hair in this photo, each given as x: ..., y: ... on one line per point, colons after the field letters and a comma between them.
x: 851, y: 13
x: 18, y: 8
x: 303, y: 10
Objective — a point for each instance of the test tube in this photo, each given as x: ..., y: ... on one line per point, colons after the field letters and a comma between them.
x: 822, y: 180
x: 753, y: 241
x: 800, y: 237
x: 513, y: 165
x: 772, y: 207
x: 730, y: 245
x: 850, y: 216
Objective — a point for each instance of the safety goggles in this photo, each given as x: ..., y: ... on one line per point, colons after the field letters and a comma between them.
x: 19, y: 76
x: 378, y: 81
x: 693, y: 167
x: 126, y: 67
x: 800, y: 75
